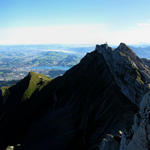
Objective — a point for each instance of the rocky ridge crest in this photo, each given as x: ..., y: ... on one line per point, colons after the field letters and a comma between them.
x: 91, y: 106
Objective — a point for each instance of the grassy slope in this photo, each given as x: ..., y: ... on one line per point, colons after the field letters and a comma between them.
x: 16, y: 99
x: 37, y: 82
x: 25, y: 88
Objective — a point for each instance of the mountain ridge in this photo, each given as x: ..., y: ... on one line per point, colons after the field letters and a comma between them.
x: 95, y: 98
x: 133, y: 67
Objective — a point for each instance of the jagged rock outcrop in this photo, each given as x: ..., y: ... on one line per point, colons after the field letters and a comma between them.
x: 129, y: 71
x: 109, y: 143
x: 146, y: 61
x: 139, y: 138
x: 86, y: 108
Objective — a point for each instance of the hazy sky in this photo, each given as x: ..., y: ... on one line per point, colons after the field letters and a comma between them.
x: 74, y: 21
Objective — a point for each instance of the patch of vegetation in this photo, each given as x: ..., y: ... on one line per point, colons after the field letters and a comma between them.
x: 4, y: 91
x: 134, y: 72
x: 148, y: 86
x: 10, y: 148
x: 121, y: 53
x: 139, y: 80
x: 138, y: 77
x: 37, y: 82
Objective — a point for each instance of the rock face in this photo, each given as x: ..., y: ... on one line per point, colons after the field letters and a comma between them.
x: 130, y: 73
x: 109, y: 143
x: 139, y: 136
x: 83, y: 109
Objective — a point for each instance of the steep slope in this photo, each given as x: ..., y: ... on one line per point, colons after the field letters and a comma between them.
x: 146, y: 61
x: 15, y: 104
x: 96, y: 98
x: 129, y: 71
x: 138, y: 136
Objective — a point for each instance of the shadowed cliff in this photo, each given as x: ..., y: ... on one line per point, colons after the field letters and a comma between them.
x: 97, y: 97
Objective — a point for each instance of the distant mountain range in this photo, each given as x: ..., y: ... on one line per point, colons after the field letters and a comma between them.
x: 97, y: 104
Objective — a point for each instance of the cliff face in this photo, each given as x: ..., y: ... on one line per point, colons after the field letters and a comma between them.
x: 86, y: 108
x: 138, y: 136
x: 130, y: 72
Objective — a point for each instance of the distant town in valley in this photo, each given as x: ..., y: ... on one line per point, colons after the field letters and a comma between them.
x: 52, y: 60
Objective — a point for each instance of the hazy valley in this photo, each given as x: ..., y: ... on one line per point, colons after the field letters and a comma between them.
x: 51, y: 60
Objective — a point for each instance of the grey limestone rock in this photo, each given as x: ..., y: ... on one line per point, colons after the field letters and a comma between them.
x: 140, y: 139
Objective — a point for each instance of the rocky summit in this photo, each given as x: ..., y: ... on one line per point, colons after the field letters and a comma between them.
x: 99, y: 103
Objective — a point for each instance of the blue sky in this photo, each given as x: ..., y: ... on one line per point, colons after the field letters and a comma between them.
x: 74, y: 21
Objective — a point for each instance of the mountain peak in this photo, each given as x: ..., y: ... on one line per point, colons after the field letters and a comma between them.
x: 122, y: 46
x: 37, y: 76
x: 122, y: 60
x: 125, y: 49
x: 103, y: 48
